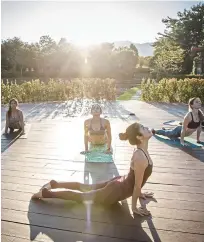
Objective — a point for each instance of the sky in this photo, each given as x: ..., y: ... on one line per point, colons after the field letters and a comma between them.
x: 86, y: 23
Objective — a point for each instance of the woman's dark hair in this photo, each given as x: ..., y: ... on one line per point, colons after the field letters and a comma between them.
x: 96, y: 105
x: 190, y: 103
x: 12, y: 100
x: 131, y: 134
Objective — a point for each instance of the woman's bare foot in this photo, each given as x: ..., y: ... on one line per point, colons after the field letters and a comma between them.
x: 43, y: 193
x: 50, y: 185
x: 37, y: 195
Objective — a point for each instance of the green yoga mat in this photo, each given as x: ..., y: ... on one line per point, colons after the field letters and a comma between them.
x: 97, y: 154
x: 190, y: 142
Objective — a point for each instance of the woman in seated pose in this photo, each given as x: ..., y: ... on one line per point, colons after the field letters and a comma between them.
x: 117, y: 189
x: 14, y: 117
x: 191, y: 123
x: 97, y: 130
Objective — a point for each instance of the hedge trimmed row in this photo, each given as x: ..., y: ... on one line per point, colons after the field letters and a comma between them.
x: 172, y: 90
x: 59, y: 90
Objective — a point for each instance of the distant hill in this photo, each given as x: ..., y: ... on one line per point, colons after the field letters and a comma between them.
x: 144, y: 49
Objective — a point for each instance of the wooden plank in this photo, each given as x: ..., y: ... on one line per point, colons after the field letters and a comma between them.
x: 41, y: 175
x: 165, y: 162
x: 23, y: 180
x: 76, y: 175
x: 158, y: 194
x: 148, y: 186
x: 98, y: 228
x: 162, y: 203
x: 157, y: 178
x: 46, y: 234
x: 81, y: 166
x: 73, y: 166
x: 74, y: 210
x: 56, y: 151
x: 5, y: 238
x: 26, y: 233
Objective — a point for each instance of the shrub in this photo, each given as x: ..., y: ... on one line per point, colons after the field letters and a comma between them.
x: 36, y: 90
x: 173, y: 90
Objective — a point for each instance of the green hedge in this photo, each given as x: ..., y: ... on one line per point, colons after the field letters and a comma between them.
x: 172, y: 90
x: 38, y: 91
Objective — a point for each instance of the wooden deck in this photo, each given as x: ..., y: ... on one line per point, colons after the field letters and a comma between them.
x: 51, y: 151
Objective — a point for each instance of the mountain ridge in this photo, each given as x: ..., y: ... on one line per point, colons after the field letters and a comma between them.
x: 144, y: 49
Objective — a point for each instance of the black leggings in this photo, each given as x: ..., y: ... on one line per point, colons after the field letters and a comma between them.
x: 103, y: 193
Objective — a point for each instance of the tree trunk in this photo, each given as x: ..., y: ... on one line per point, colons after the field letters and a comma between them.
x: 21, y: 71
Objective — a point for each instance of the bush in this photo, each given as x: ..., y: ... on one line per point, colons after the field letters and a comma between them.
x: 172, y: 90
x: 142, y: 70
x: 36, y: 90
x: 159, y: 76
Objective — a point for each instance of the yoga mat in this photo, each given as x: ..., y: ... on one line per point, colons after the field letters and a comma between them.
x: 173, y: 123
x: 176, y: 123
x: 97, y: 154
x: 190, y: 142
x: 16, y: 134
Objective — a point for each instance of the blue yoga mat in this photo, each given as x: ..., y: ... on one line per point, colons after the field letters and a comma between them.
x: 189, y: 142
x: 97, y: 154
x: 176, y: 123
x: 173, y: 123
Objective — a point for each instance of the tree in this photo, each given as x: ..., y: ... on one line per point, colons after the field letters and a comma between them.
x: 141, y: 61
x: 10, y: 51
x: 186, y: 30
x: 100, y: 60
x: 168, y: 57
x: 125, y: 61
x: 62, y: 59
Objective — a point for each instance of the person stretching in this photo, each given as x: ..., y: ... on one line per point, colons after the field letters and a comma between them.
x: 97, y: 130
x: 117, y: 189
x: 191, y: 123
x: 14, y: 117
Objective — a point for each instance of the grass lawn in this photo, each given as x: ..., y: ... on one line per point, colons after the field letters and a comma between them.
x: 127, y: 95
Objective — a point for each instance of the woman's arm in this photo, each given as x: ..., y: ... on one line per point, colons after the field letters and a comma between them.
x: 184, y: 128
x: 21, y: 121
x: 109, y: 136
x: 140, y: 165
x: 7, y: 123
x: 199, y: 129
x: 86, y: 135
x: 201, y: 117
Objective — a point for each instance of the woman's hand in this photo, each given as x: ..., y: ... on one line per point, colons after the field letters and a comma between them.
x: 84, y: 152
x: 182, y: 142
x: 141, y: 211
x: 108, y: 151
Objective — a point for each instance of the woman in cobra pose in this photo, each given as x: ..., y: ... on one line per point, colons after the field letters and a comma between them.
x: 191, y: 123
x: 97, y: 130
x: 14, y: 117
x: 118, y: 188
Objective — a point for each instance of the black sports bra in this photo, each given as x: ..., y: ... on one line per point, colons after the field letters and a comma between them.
x: 193, y: 124
x: 148, y: 170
